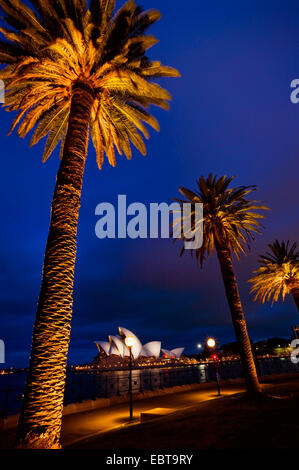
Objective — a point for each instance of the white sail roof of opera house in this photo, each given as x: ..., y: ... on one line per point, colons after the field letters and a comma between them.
x: 137, y: 346
x: 117, y: 346
x: 106, y: 346
x: 151, y: 349
x: 174, y: 352
x: 178, y: 352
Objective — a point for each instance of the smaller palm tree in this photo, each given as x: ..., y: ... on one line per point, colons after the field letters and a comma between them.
x: 278, y: 273
x: 229, y: 223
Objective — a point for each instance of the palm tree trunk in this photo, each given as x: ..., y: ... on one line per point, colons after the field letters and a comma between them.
x: 41, y: 414
x: 295, y: 294
x: 238, y: 318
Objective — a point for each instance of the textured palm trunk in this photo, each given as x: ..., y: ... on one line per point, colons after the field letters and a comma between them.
x: 238, y: 318
x: 41, y: 414
x: 295, y: 294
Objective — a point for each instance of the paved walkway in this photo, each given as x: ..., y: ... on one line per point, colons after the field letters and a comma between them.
x: 89, y: 423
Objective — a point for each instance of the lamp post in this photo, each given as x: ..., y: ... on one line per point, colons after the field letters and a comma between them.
x: 211, y: 343
x: 129, y: 342
x: 199, y: 347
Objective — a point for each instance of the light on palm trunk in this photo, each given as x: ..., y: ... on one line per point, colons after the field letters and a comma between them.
x: 238, y: 319
x: 40, y: 420
x: 79, y: 66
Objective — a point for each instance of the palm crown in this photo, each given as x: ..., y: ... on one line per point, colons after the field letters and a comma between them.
x: 278, y: 272
x: 57, y: 42
x: 229, y: 219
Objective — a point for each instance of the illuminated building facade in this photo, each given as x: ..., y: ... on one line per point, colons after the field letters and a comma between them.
x: 115, y: 352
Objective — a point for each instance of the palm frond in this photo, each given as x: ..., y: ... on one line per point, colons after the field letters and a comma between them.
x: 278, y: 272
x: 230, y: 219
x: 48, y: 48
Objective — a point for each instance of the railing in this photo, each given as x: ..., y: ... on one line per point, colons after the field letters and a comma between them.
x: 85, y: 386
x: 106, y: 384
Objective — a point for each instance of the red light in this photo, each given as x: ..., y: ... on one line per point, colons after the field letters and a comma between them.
x: 215, y: 357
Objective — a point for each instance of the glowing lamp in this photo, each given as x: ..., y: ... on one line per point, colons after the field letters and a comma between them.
x: 211, y: 343
x: 129, y: 341
x: 199, y: 346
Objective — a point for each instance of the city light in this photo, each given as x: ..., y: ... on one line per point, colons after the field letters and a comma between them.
x: 211, y: 343
x: 129, y: 341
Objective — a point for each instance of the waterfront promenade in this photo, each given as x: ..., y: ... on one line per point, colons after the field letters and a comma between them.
x: 78, y: 426
x: 84, y: 425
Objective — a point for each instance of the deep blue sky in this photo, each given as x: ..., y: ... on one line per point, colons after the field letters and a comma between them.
x: 231, y: 114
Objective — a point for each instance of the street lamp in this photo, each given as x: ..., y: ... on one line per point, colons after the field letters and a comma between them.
x: 211, y: 343
x: 199, y: 346
x: 129, y: 342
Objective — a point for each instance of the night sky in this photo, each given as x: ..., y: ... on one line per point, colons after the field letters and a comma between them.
x: 230, y: 114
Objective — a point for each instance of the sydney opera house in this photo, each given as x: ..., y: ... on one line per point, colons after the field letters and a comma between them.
x: 115, y: 353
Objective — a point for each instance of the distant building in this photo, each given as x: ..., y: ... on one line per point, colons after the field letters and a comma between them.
x: 115, y: 353
x: 268, y: 347
x: 174, y: 353
x: 296, y: 331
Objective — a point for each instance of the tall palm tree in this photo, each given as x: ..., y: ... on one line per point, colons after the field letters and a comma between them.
x: 278, y: 273
x: 229, y: 223
x: 73, y: 66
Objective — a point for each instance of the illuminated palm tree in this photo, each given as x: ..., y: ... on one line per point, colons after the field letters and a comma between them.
x: 278, y: 273
x: 229, y: 222
x: 73, y: 66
